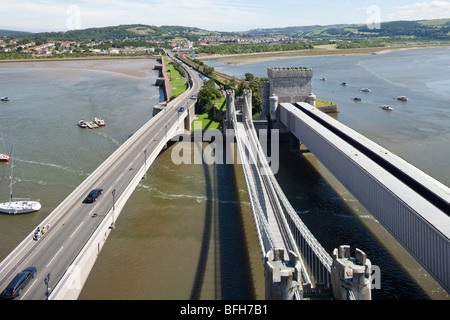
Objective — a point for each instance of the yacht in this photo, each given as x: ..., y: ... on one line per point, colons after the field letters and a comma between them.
x: 18, y: 206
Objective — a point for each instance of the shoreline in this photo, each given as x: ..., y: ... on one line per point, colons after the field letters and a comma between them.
x: 324, y: 51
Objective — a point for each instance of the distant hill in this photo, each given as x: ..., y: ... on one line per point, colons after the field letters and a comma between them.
x: 438, y: 29
x: 122, y: 32
x: 11, y: 33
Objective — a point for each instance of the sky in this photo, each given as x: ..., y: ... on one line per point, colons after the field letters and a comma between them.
x: 211, y: 15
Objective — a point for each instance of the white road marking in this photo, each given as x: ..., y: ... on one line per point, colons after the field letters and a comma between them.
x: 54, y: 257
x: 76, y: 229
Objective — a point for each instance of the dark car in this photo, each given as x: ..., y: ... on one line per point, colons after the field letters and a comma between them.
x: 93, y: 195
x: 17, y: 284
x: 181, y: 109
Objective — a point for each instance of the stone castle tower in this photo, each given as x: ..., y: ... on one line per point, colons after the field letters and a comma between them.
x: 286, y: 84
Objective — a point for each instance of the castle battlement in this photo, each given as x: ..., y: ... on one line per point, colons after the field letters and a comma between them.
x: 289, y: 72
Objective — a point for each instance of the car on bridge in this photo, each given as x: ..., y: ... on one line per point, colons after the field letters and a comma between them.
x: 19, y: 282
x: 93, y: 195
x: 181, y: 109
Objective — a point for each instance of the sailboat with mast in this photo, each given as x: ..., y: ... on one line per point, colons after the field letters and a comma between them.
x: 17, y: 206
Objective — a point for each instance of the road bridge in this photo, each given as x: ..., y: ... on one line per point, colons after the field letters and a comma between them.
x: 65, y: 254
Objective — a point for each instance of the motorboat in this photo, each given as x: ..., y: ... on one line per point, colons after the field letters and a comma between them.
x: 4, y: 157
x: 323, y: 79
x: 386, y: 107
x: 17, y: 206
x: 343, y: 83
x: 356, y: 99
x: 82, y: 124
x: 99, y: 121
x: 402, y: 98
x: 4, y: 98
x: 365, y: 90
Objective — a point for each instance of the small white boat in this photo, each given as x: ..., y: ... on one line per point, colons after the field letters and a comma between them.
x: 18, y: 206
x: 82, y: 124
x: 4, y: 98
x: 323, y: 79
x: 365, y: 90
x: 99, y: 121
x: 4, y: 157
x: 387, y: 108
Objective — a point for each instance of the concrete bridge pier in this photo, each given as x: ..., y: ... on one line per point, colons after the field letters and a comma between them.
x: 230, y: 108
x: 283, y: 277
x: 247, y: 107
x: 351, y: 275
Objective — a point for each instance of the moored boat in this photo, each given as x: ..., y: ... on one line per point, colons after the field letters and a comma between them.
x: 82, y: 124
x: 99, y: 121
x: 4, y: 157
x: 18, y: 206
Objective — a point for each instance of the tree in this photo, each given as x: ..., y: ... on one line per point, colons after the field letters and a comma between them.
x: 206, y: 96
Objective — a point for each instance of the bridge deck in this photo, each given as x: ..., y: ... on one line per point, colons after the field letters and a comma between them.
x: 260, y: 187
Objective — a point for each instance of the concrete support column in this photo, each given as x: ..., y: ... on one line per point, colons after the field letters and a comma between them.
x: 283, y: 277
x: 273, y: 102
x: 351, y: 274
x: 230, y: 105
x: 247, y: 107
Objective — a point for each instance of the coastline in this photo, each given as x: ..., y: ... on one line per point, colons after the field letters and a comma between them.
x: 319, y: 51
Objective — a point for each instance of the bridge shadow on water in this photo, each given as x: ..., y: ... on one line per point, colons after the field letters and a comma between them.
x: 223, y: 229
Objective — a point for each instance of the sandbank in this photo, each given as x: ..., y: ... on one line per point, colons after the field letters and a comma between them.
x: 136, y: 67
x: 323, y: 51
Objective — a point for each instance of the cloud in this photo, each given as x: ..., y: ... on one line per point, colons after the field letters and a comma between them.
x: 421, y: 11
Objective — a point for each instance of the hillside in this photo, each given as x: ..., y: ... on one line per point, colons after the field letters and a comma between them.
x: 438, y: 30
x: 121, y: 32
x: 421, y: 30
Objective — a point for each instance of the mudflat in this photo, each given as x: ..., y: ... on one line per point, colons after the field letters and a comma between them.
x: 137, y: 67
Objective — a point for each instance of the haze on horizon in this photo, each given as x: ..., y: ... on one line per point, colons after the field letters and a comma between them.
x: 211, y: 15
